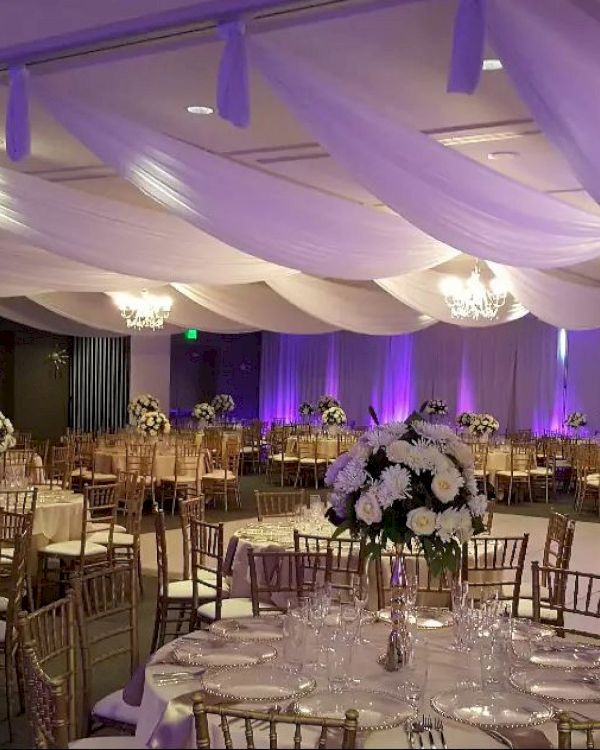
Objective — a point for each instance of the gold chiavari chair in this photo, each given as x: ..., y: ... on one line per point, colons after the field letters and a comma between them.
x: 191, y: 507
x: 272, y: 720
x: 250, y: 449
x: 106, y: 610
x: 186, y: 476
x: 221, y: 483
x: 495, y: 564
x: 141, y: 459
x: 566, y: 725
x: 40, y: 448
x: 16, y: 527
x: 17, y: 465
x: 310, y: 460
x: 59, y: 470
x: 480, y: 458
x: 22, y: 439
x: 282, y: 459
x: 432, y: 590
x: 87, y: 468
x: 518, y: 475
x: 489, y: 516
x: 279, y: 503
x: 285, y: 575
x: 208, y: 576
x: 587, y: 477
x: 19, y: 501
x: 347, y: 559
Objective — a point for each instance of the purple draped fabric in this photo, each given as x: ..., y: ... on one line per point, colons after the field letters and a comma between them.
x: 467, y: 47
x: 232, y: 88
x: 515, y: 374
x: 18, y: 133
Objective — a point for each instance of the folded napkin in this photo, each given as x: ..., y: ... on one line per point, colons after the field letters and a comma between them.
x: 133, y: 692
x: 525, y: 738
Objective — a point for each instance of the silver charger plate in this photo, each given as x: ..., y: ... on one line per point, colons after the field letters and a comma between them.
x: 259, y: 683
x: 525, y: 630
x: 481, y: 708
x: 267, y: 628
x: 561, y: 653
x: 376, y: 710
x: 212, y: 651
x: 574, y: 686
x: 428, y: 618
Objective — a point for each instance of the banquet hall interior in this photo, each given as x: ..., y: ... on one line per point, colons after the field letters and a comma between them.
x: 299, y: 354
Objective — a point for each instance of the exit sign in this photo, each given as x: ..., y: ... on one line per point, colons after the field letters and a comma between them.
x: 191, y: 334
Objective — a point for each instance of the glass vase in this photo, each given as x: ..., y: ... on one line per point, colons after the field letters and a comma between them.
x: 399, y: 641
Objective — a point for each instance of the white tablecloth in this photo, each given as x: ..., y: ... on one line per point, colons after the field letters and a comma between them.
x: 57, y: 521
x: 113, y: 460
x: 166, y: 713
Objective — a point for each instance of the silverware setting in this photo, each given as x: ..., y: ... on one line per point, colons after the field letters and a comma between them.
x: 174, y: 678
x: 425, y: 726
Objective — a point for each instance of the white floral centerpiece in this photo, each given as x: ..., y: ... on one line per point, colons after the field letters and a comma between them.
x: 464, y: 418
x: 7, y: 434
x: 154, y: 423
x: 436, y: 406
x: 223, y: 404
x: 204, y: 413
x: 335, y: 416
x: 411, y: 484
x: 483, y: 425
x: 326, y: 402
x: 576, y: 419
x: 306, y: 409
x: 139, y: 405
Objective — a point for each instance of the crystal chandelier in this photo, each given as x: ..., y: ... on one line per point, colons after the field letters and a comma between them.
x: 146, y: 311
x: 473, y: 298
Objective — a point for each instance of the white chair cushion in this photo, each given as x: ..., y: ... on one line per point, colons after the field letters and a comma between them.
x: 108, y: 743
x: 120, y: 539
x: 541, y: 471
x: 186, y: 479
x: 278, y: 458
x: 3, y: 604
x: 220, y: 475
x: 526, y: 610
x: 481, y: 473
x: 506, y: 473
x: 230, y: 609
x: 249, y: 449
x: 114, y: 708
x: 2, y: 631
x: 72, y: 549
x: 100, y: 476
x: 92, y: 527
x: 313, y: 460
x: 7, y: 553
x: 526, y: 592
x: 592, y: 481
x: 184, y: 589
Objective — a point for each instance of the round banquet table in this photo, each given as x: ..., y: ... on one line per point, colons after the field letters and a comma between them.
x: 166, y: 720
x: 113, y: 460
x: 328, y: 447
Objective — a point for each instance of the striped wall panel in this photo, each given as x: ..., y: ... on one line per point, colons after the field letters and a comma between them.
x: 99, y: 383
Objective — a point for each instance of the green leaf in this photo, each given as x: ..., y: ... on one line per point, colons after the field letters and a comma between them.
x: 341, y: 529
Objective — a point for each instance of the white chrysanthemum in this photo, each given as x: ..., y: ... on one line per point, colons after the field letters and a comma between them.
x: 437, y: 433
x: 396, y: 429
x: 464, y: 527
x: 478, y: 505
x: 461, y: 452
x: 395, y: 485
x: 421, y: 521
x: 360, y: 452
x: 399, y: 452
x: 379, y: 438
x: 368, y: 509
x: 351, y: 478
x: 446, y: 524
x: 445, y: 485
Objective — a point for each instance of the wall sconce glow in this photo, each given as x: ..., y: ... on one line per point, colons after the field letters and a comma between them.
x: 562, y: 345
x: 200, y: 109
x: 146, y: 311
x: 491, y: 63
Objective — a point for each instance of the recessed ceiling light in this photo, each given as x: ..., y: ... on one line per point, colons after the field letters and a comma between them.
x: 497, y: 155
x: 491, y: 63
x: 200, y: 109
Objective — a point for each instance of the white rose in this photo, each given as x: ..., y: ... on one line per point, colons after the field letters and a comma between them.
x: 445, y: 485
x: 464, y: 526
x: 446, y: 524
x: 368, y: 509
x: 421, y: 521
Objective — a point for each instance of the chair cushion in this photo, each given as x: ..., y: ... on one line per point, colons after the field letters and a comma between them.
x: 526, y: 610
x: 186, y: 479
x: 481, y: 473
x: 72, y: 549
x: 108, y: 743
x: 93, y: 527
x: 278, y: 458
x: 592, y: 481
x: 230, y: 609
x: 526, y: 592
x: 219, y: 474
x: 184, y: 589
x: 313, y: 460
x: 541, y: 471
x: 249, y: 449
x: 120, y: 539
x: 3, y: 603
x: 100, y: 476
x: 506, y: 473
x: 114, y: 708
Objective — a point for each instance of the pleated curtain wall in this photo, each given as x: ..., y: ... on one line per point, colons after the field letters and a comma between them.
x: 99, y: 383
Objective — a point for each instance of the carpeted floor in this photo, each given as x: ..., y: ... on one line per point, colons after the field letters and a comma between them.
x: 111, y: 678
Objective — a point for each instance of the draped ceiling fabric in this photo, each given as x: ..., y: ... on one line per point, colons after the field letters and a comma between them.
x: 240, y: 249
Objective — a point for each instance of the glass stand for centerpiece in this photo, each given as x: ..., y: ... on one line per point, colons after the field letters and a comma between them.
x: 398, y: 650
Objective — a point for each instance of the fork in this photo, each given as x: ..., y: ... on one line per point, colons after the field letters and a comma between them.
x: 428, y: 725
x: 439, y: 727
x: 419, y: 728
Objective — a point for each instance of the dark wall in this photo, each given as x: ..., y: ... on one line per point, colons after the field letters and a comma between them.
x: 31, y: 394
x: 216, y: 363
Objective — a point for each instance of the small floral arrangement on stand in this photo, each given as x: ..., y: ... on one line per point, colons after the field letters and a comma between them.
x: 483, y: 425
x: 7, y: 434
x: 464, y: 418
x: 306, y: 410
x: 576, y: 419
x: 139, y: 405
x: 436, y: 406
x: 154, y: 423
x: 204, y: 413
x: 223, y: 404
x: 326, y: 402
x: 334, y: 417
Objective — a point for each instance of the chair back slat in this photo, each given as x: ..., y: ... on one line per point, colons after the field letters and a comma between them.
x: 275, y: 504
x: 347, y: 558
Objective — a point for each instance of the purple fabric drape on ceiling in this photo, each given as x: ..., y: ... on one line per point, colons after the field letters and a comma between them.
x: 514, y: 374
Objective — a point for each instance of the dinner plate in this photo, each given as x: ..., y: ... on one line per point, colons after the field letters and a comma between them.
x: 525, y: 630
x: 263, y: 682
x: 376, y: 709
x: 212, y: 651
x: 428, y: 618
x: 558, y: 684
x: 560, y: 653
x: 269, y: 628
x: 481, y: 708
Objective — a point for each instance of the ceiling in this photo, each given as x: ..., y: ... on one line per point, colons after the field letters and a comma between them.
x: 154, y: 84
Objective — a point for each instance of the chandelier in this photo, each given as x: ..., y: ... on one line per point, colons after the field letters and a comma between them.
x: 473, y: 299
x: 146, y: 311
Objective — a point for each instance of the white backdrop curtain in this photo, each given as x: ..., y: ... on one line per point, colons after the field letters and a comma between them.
x: 444, y: 193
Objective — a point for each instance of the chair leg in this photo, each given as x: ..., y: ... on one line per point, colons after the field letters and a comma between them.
x: 8, y: 680
x: 140, y: 577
